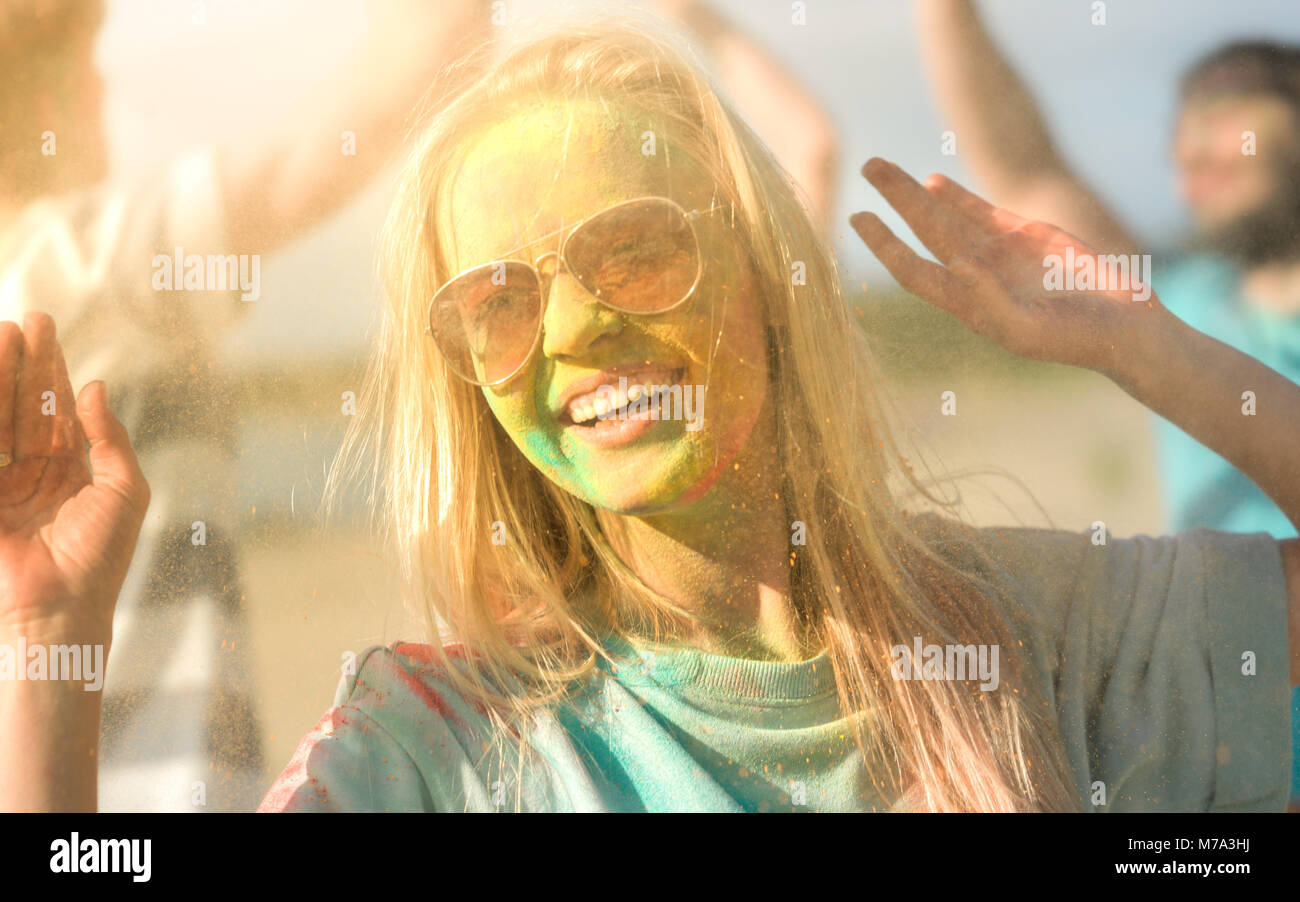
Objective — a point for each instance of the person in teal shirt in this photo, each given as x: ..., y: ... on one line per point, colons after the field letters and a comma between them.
x: 1200, y: 487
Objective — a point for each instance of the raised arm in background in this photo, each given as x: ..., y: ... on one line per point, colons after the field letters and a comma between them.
x: 274, y: 183
x: 1002, y: 138
x: 781, y: 110
x: 279, y: 185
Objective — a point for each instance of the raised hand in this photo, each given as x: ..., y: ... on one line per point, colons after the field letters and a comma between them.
x: 991, y: 273
x: 66, y: 535
x: 66, y: 539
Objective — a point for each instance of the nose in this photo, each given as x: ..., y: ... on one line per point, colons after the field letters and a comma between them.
x: 573, y: 319
x: 1193, y: 145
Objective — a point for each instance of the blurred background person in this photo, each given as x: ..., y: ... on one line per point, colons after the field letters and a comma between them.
x: 1236, y: 151
x: 180, y: 732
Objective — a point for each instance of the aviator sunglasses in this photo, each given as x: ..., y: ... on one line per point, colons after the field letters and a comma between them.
x: 638, y: 256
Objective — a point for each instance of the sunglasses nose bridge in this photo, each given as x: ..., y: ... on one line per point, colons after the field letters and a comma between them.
x: 547, y: 266
x: 571, y: 317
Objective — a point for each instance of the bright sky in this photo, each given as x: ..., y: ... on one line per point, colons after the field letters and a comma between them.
x: 1108, y: 92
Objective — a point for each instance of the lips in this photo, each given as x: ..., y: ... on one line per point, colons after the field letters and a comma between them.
x: 596, y: 395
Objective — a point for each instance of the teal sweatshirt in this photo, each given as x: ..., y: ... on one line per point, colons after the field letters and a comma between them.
x: 1164, y: 659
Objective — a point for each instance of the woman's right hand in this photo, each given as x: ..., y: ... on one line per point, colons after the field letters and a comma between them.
x: 66, y: 533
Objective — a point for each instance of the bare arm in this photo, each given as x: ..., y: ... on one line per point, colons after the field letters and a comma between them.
x: 788, y: 118
x: 278, y: 187
x: 1001, y: 135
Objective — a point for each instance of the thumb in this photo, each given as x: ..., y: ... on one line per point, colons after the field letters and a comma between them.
x: 112, y: 459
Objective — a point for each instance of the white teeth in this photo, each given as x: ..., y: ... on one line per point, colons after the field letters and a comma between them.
x: 606, y: 399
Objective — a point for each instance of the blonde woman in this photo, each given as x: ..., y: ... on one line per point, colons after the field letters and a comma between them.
x: 639, y: 479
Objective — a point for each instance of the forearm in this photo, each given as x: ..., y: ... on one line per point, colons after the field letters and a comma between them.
x: 784, y: 113
x: 1200, y: 385
x: 49, y: 728
x: 279, y: 186
x: 1001, y: 136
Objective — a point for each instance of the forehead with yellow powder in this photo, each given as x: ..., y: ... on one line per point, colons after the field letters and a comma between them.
x: 544, y: 168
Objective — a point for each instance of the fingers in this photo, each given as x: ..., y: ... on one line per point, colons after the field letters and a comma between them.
x: 11, y: 357
x: 921, y: 277
x: 112, y: 459
x: 44, y: 420
x: 968, y: 288
x: 989, y: 219
x: 942, y: 229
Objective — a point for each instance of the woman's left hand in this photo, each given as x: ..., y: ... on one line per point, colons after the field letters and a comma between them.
x: 991, y: 273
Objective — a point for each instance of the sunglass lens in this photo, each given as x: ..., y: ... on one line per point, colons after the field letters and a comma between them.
x: 640, y: 257
x: 485, y: 322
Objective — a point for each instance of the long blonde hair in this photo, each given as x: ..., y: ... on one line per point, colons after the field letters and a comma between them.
x: 441, y: 470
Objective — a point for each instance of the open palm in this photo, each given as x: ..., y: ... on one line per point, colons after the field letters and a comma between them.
x: 991, y: 272
x: 66, y: 533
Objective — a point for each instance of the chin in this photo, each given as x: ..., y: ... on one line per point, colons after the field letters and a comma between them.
x: 661, y: 491
x: 653, y: 496
x: 1212, y: 221
x: 633, y: 506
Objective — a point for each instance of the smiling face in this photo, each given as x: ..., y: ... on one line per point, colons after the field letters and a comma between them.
x: 525, y: 179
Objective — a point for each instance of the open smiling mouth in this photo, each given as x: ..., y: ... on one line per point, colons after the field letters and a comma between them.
x: 624, y: 408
